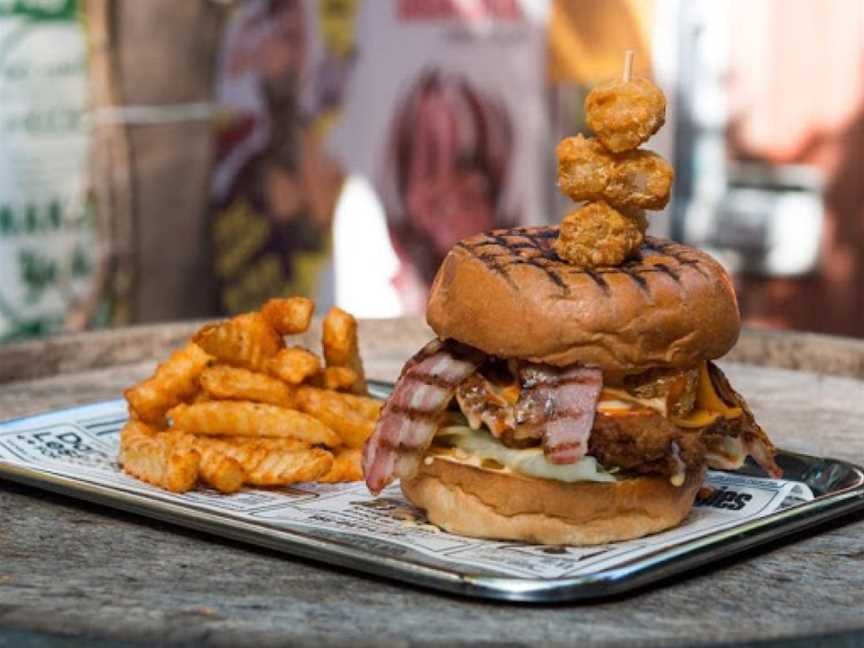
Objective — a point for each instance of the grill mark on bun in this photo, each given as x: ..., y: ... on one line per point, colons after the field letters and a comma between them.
x: 537, y: 262
x: 488, y: 261
x: 692, y: 263
x: 554, y: 277
x: 503, y: 250
x: 557, y: 280
x: 525, y: 245
x: 533, y: 232
x: 668, y: 249
x: 637, y: 278
x: 597, y: 278
x: 654, y: 245
x: 698, y: 310
x: 662, y: 267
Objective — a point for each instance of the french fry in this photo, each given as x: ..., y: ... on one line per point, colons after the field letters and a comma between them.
x: 215, y: 468
x: 173, y: 380
x: 294, y: 365
x: 283, y: 443
x: 341, y: 349
x: 347, y: 414
x: 246, y: 341
x: 243, y: 409
x: 222, y: 472
x: 234, y: 383
x: 265, y: 465
x: 289, y: 316
x: 157, y: 459
x: 369, y: 407
x: 242, y: 418
x: 334, y: 378
x: 199, y: 397
x: 346, y: 467
x: 283, y: 467
x: 134, y: 433
x: 366, y: 406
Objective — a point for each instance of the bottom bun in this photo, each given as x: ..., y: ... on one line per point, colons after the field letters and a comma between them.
x: 470, y: 501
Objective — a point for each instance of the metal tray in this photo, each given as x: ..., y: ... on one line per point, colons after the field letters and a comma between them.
x: 838, y: 487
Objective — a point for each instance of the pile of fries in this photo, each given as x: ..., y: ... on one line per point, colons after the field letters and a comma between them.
x: 237, y: 406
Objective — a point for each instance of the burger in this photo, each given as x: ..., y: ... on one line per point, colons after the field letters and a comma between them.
x: 562, y: 404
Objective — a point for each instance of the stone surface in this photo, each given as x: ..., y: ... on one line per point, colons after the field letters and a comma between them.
x: 79, y: 570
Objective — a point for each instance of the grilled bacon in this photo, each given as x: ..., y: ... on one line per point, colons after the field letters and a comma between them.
x: 410, y: 416
x: 756, y: 442
x: 482, y: 404
x: 558, y: 404
x: 556, y: 407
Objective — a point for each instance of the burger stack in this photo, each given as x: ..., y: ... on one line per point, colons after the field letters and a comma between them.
x: 569, y: 396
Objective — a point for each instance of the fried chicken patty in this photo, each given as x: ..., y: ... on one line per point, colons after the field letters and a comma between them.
x: 645, y: 443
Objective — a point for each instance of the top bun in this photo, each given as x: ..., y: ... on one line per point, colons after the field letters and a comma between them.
x: 508, y: 294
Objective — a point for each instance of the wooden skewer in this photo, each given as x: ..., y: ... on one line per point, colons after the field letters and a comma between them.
x: 628, y: 64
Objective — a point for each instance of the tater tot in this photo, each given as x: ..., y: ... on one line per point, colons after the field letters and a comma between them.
x: 584, y: 168
x: 599, y: 235
x: 624, y: 114
x: 641, y: 180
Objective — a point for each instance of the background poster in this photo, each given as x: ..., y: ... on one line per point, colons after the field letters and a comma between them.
x: 46, y: 229
x: 273, y: 187
x: 443, y: 133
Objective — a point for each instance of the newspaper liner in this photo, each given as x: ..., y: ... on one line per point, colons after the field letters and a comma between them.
x: 82, y: 444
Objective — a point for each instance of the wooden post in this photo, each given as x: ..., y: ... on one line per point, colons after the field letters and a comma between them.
x: 151, y: 178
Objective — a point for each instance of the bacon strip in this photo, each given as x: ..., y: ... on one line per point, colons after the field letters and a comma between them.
x: 559, y: 404
x: 755, y: 441
x: 480, y: 404
x: 410, y: 416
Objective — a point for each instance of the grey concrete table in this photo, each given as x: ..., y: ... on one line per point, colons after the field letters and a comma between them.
x: 78, y: 574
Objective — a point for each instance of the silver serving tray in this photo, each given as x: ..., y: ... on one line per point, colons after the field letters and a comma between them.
x: 837, y: 485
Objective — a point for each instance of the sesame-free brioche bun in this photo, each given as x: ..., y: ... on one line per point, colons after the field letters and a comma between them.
x: 471, y: 501
x: 507, y: 293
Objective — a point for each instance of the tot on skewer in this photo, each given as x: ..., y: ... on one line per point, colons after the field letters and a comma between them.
x: 632, y: 180
x: 584, y: 168
x: 624, y: 114
x: 599, y: 235
x: 640, y: 180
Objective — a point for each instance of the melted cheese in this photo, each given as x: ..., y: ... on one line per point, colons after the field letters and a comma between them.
x: 698, y: 418
x: 708, y: 399
x: 478, y: 446
x: 612, y: 400
x: 708, y: 407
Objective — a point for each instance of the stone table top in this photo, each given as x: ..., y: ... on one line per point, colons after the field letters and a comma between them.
x: 73, y: 573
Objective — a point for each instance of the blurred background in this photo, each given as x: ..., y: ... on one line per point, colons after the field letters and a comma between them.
x: 163, y: 160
